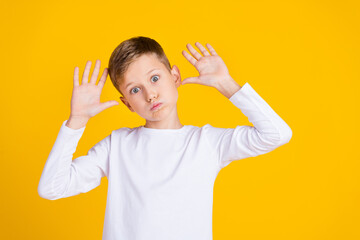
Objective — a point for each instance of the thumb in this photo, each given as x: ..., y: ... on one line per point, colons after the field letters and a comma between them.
x: 190, y: 80
x: 108, y: 104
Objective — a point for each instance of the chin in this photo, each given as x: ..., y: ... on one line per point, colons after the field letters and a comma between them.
x: 156, y: 114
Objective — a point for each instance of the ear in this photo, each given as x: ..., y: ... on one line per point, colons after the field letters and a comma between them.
x: 175, y: 72
x: 124, y: 100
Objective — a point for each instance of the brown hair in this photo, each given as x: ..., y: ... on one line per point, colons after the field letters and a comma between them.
x: 128, y: 51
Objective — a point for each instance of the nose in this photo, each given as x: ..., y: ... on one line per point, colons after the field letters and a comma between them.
x: 151, y: 94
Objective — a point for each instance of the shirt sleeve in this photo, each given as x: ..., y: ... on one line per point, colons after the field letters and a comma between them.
x: 63, y: 177
x: 269, y: 131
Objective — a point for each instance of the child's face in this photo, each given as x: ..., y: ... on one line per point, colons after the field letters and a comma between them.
x: 142, y: 86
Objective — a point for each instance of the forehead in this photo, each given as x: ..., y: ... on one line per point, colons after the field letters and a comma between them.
x: 141, y: 66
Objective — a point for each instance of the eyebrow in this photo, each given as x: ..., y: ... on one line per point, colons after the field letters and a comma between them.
x: 145, y: 75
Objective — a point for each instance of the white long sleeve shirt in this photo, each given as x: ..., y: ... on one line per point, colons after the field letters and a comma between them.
x: 160, y: 181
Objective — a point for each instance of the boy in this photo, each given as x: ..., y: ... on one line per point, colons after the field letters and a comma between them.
x: 160, y: 175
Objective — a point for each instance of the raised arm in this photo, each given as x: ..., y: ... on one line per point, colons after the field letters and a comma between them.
x: 62, y: 176
x: 229, y: 144
x: 270, y: 131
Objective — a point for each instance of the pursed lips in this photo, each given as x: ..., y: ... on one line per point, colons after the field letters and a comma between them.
x: 155, y: 105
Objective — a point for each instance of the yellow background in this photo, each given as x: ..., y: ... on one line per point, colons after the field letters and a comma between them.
x: 302, y: 57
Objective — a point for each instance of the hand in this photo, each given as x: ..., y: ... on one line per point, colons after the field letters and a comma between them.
x: 85, y: 101
x: 212, y: 69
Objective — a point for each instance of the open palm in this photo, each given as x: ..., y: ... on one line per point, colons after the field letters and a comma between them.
x: 211, y: 68
x: 85, y: 101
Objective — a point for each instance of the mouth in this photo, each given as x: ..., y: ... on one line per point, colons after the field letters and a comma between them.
x: 156, y: 106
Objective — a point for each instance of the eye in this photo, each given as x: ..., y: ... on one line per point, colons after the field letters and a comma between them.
x: 153, y: 77
x: 131, y: 91
x: 156, y: 77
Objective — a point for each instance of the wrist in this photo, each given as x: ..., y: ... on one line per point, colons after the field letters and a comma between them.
x: 228, y: 87
x: 76, y: 122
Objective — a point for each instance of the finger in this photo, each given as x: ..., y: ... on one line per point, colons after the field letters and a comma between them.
x: 85, y: 77
x: 191, y: 80
x: 76, y: 77
x: 211, y: 49
x: 190, y: 58
x: 108, y: 104
x: 95, y: 73
x: 202, y: 49
x: 103, y: 78
x: 193, y: 51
